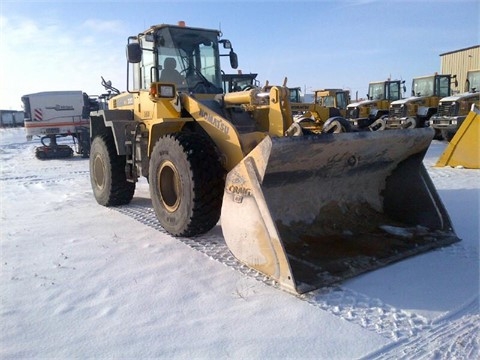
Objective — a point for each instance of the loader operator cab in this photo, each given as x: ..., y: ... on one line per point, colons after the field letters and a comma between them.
x: 386, y: 90
x: 436, y: 85
x: 187, y: 57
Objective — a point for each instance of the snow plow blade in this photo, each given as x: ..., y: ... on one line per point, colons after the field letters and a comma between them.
x: 311, y: 211
x: 463, y: 149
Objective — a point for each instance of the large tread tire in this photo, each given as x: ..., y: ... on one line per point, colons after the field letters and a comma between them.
x: 107, y: 173
x: 336, y: 124
x: 186, y: 183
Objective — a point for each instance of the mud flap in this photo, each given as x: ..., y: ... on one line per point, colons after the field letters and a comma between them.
x: 311, y: 211
x: 464, y: 148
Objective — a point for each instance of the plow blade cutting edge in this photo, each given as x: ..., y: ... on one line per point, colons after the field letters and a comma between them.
x: 310, y: 211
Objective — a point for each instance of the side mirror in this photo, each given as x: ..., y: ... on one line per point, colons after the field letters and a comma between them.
x: 233, y: 59
x: 134, y: 53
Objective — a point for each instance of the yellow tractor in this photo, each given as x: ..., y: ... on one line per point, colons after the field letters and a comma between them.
x: 239, y: 82
x: 326, y: 113
x: 331, y: 102
x: 452, y: 110
x: 416, y: 111
x: 305, y: 210
x: 363, y: 114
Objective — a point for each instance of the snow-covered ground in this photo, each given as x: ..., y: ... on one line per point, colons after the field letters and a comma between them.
x: 79, y: 280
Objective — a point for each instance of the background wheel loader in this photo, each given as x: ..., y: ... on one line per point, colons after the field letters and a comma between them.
x: 452, y: 110
x: 363, y: 114
x: 306, y: 210
x: 415, y: 111
x: 326, y: 113
x: 239, y: 82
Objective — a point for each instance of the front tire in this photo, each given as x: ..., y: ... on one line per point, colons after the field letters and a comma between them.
x: 335, y: 125
x: 107, y: 173
x: 186, y: 183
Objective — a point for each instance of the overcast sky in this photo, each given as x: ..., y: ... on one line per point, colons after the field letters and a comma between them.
x: 68, y: 45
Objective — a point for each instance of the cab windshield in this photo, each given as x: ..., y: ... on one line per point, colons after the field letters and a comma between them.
x: 375, y: 92
x: 423, y: 87
x: 431, y: 86
x: 189, y: 58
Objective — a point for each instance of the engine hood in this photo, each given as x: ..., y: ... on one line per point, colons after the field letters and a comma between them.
x: 361, y: 103
x: 462, y: 96
x: 407, y: 100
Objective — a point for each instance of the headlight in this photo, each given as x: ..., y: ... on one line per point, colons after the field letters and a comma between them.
x: 161, y: 90
x: 167, y: 91
x: 464, y: 106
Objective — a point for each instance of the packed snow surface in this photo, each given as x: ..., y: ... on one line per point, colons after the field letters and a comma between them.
x: 79, y: 280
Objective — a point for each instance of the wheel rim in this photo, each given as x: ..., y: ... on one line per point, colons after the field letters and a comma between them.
x: 169, y: 187
x: 99, y: 172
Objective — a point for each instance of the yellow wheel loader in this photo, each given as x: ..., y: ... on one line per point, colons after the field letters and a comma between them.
x: 416, y: 111
x: 239, y: 82
x: 307, y: 210
x: 452, y: 110
x: 326, y: 114
x: 362, y: 114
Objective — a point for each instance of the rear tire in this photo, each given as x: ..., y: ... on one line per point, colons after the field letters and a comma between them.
x: 411, y: 123
x: 107, y: 173
x: 186, y: 183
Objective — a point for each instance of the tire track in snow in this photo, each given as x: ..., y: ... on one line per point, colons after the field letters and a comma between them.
x: 369, y: 313
x: 211, y: 244
x: 35, y: 179
x: 455, y: 336
x: 409, y: 331
x: 20, y: 178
